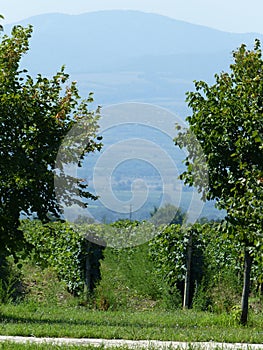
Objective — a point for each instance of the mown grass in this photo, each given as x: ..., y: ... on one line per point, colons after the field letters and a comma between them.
x: 13, y: 346
x: 79, y: 322
x: 28, y: 346
x: 45, y: 346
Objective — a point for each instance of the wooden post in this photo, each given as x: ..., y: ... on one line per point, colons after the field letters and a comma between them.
x: 246, y: 287
x: 186, y: 302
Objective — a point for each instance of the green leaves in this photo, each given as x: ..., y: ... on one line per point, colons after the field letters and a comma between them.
x: 169, y: 249
x: 59, y: 246
x: 227, y: 121
x: 35, y: 116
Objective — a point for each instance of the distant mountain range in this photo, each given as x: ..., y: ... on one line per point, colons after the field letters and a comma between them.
x: 130, y: 55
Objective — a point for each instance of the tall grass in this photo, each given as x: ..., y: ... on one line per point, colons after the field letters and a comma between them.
x: 129, y: 281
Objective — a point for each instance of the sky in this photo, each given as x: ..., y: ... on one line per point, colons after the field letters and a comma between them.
x: 236, y: 16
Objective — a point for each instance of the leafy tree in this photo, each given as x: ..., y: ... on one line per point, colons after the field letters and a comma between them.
x: 227, y: 122
x: 35, y: 116
x: 1, y: 27
x: 169, y: 214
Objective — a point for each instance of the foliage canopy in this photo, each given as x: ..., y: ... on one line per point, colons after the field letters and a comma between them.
x: 35, y: 116
x: 227, y: 121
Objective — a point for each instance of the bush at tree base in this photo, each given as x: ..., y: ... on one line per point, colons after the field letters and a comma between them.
x: 59, y: 245
x: 216, y: 265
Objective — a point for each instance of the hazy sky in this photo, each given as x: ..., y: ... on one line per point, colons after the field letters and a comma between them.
x: 227, y: 15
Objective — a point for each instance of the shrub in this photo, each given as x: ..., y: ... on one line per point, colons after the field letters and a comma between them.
x: 11, y: 288
x: 66, y: 250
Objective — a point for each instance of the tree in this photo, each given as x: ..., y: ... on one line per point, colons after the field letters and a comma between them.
x: 227, y: 124
x: 1, y: 27
x: 35, y: 116
x: 168, y: 214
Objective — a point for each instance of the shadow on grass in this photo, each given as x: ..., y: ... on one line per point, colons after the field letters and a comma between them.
x: 42, y: 321
x: 105, y: 319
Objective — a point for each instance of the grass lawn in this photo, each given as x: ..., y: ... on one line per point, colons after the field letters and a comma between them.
x: 13, y: 346
x: 79, y: 322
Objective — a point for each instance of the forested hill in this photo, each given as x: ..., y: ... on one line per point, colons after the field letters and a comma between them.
x: 108, y: 41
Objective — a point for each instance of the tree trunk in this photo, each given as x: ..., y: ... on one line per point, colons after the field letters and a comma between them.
x: 246, y: 287
x: 188, y: 274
